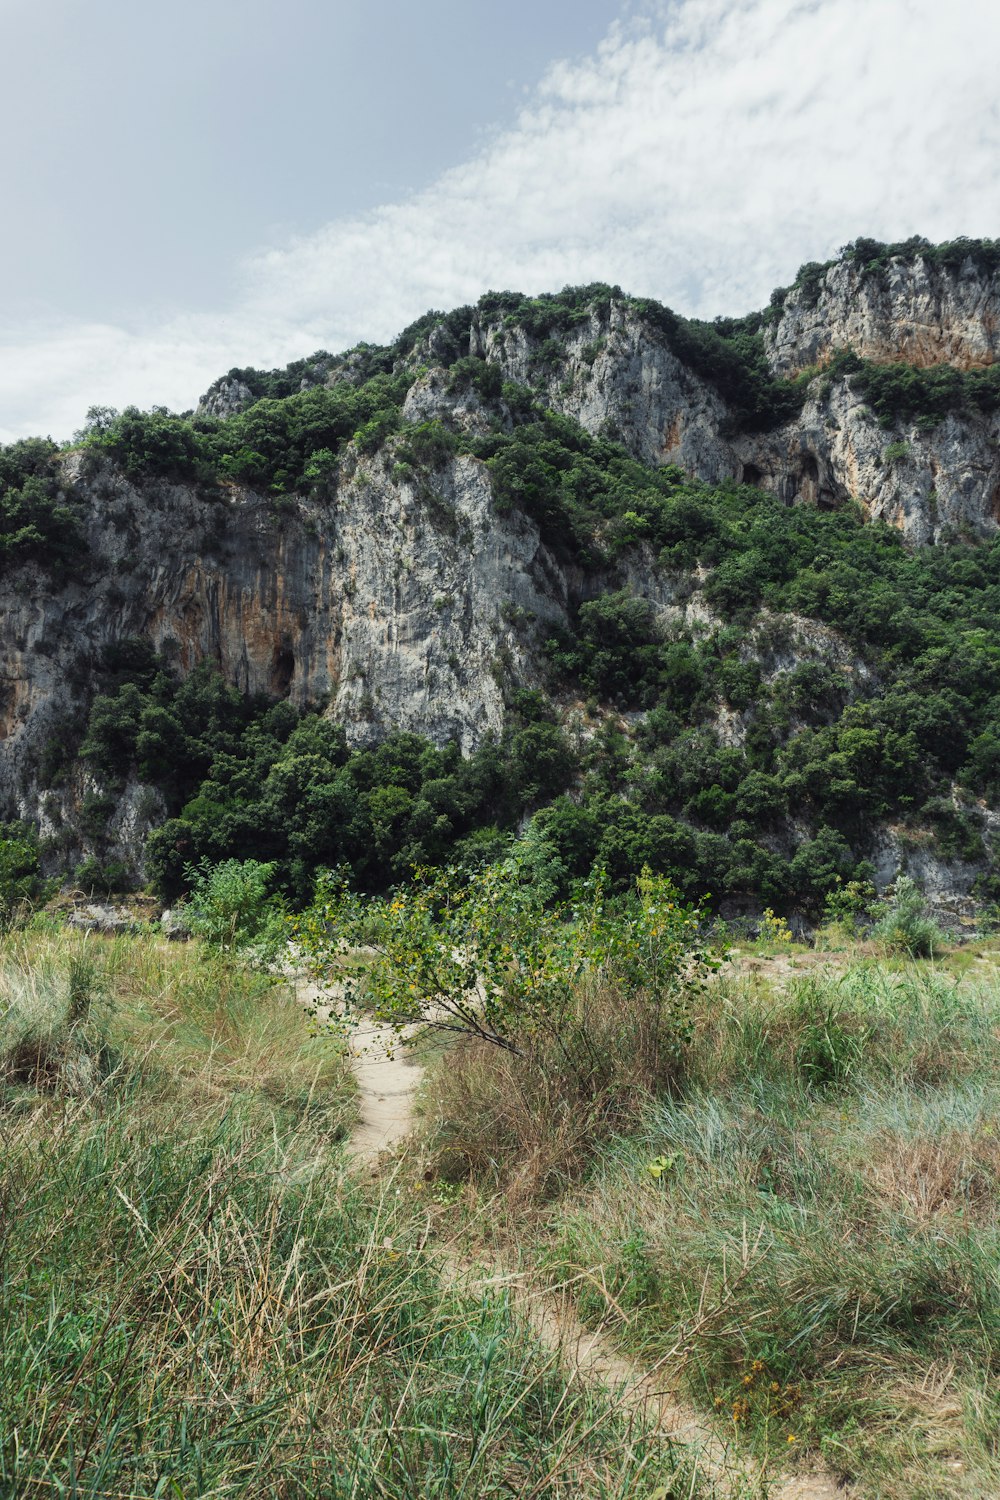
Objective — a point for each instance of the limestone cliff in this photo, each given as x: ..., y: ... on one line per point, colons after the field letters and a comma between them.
x: 406, y: 600
x: 618, y: 377
x: 393, y: 613
x: 910, y: 309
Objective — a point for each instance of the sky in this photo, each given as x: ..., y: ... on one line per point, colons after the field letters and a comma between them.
x: 208, y: 183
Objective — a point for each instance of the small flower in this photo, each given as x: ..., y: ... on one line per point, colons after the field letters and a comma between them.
x: 791, y: 1438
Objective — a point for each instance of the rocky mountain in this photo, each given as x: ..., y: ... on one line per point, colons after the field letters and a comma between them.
x: 556, y: 497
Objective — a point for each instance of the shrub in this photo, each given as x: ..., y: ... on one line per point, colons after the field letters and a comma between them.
x: 21, y: 883
x: 230, y: 907
x: 906, y: 925
x: 39, y: 514
x: 567, y: 1013
x: 849, y: 904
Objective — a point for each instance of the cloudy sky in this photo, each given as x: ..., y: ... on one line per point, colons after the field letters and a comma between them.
x: 205, y: 183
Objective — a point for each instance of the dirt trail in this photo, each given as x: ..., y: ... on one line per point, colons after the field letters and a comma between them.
x: 388, y: 1079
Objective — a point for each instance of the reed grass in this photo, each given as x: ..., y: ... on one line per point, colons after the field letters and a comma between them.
x: 829, y: 1177
x: 199, y: 1298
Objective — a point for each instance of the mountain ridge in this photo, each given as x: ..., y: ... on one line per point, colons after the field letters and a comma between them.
x: 538, y: 520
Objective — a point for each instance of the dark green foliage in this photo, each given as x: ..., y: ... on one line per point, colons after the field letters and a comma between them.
x: 151, y: 444
x: 274, y: 384
x: 906, y: 393
x: 281, y: 444
x: 553, y: 314
x: 39, y: 517
x: 618, y: 653
x: 587, y: 496
x: 828, y: 750
x: 873, y: 256
x: 450, y: 330
x: 271, y: 445
x: 20, y: 873
x: 292, y: 792
x: 169, y: 732
x: 475, y: 374
x: 102, y: 877
x: 427, y: 445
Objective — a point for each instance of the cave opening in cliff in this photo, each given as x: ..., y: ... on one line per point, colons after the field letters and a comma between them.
x: 282, y: 670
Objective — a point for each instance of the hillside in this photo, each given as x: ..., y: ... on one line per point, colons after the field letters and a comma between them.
x: 717, y: 598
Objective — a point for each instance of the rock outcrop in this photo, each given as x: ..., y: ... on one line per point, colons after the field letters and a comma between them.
x: 394, y: 612
x: 401, y: 604
x: 619, y: 379
x: 911, y: 310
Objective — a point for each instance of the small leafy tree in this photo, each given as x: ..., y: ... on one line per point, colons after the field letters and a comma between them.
x: 850, y: 904
x: 230, y: 907
x: 906, y: 924
x: 483, y: 956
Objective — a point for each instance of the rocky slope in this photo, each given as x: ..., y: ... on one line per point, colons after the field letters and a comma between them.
x: 617, y: 377
x: 403, y: 603
x: 393, y: 614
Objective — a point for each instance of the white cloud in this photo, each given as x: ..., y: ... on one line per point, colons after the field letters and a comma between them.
x: 698, y: 157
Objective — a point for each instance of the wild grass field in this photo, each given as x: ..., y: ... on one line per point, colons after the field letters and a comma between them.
x: 200, y: 1297
x: 800, y: 1229
x: 765, y: 1182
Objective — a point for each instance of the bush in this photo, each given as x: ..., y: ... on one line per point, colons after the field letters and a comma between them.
x: 567, y: 1013
x: 230, y: 907
x: 39, y: 514
x: 21, y: 883
x: 906, y: 925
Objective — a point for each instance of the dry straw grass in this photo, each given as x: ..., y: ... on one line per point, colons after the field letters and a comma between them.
x: 531, y: 1121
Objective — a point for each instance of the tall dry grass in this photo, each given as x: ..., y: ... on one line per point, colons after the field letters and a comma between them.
x: 530, y: 1122
x: 848, y: 1128
x: 198, y: 1298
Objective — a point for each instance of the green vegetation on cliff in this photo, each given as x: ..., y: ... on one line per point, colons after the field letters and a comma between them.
x: 39, y: 518
x: 827, y: 748
x: 745, y: 748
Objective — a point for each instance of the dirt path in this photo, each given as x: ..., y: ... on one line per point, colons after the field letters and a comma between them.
x: 387, y: 1076
x: 388, y: 1079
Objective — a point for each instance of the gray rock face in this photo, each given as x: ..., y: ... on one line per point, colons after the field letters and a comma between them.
x: 620, y: 381
x: 916, y: 312
x: 226, y: 397
x: 396, y: 613
x: 403, y: 603
x: 937, y: 486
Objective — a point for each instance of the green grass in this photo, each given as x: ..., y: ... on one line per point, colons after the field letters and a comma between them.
x: 825, y: 1187
x: 198, y: 1299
